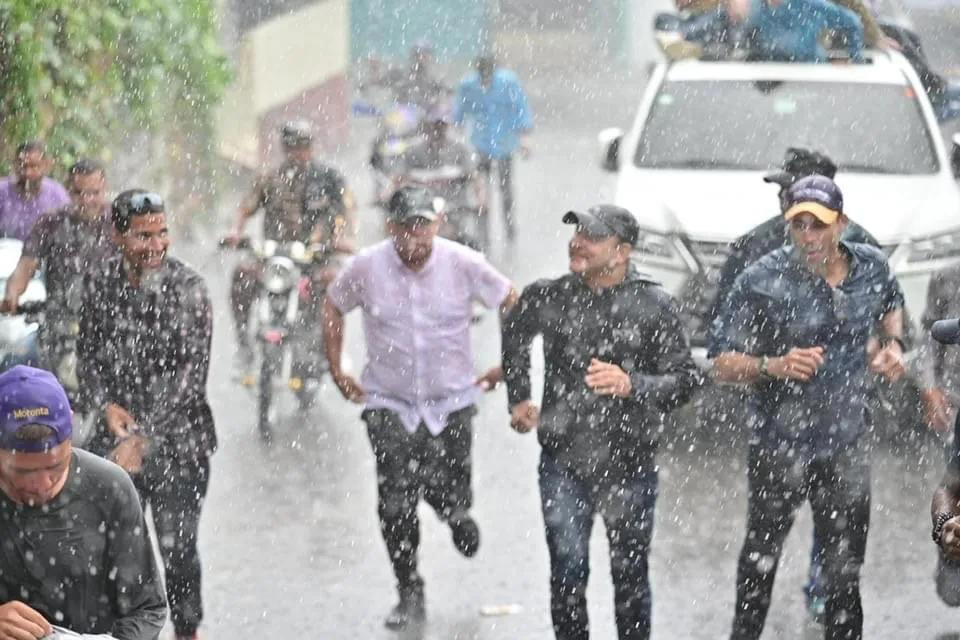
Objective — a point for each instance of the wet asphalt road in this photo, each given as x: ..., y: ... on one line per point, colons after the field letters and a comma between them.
x: 290, y: 540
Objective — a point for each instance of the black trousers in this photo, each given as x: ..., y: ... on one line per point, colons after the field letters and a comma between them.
x: 411, y: 466
x: 504, y: 167
x: 174, y: 491
x: 781, y: 478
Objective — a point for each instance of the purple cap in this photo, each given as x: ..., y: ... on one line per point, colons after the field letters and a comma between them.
x: 33, y: 396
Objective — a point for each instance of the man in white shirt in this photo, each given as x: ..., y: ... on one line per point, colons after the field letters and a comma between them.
x: 418, y: 388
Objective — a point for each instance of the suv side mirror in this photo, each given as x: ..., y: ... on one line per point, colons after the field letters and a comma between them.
x: 955, y: 156
x: 609, y: 140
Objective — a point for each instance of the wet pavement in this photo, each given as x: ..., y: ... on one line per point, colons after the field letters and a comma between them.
x: 290, y: 539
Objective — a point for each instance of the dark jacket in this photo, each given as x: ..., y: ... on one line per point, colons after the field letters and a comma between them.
x: 147, y: 349
x: 634, y: 325
x: 84, y: 559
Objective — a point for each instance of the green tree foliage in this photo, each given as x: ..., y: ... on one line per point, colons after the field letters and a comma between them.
x: 79, y: 72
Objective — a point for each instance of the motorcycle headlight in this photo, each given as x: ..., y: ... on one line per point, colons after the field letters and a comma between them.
x: 278, y: 276
x: 944, y: 246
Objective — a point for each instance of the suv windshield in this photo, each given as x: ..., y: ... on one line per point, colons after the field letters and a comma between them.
x: 734, y: 124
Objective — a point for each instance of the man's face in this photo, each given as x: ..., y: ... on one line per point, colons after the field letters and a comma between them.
x: 299, y: 155
x: 435, y: 131
x: 815, y: 240
x: 34, y: 478
x: 31, y: 167
x: 591, y: 255
x: 145, y: 243
x: 87, y: 192
x: 414, y: 242
x: 486, y: 74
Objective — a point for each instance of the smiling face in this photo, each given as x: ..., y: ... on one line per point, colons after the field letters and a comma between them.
x: 145, y: 243
x: 34, y: 479
x: 816, y: 241
x: 592, y: 256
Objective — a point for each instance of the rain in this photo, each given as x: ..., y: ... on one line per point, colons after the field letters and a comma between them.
x: 436, y: 320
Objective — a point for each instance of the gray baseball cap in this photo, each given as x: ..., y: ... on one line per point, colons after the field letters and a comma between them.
x: 605, y: 220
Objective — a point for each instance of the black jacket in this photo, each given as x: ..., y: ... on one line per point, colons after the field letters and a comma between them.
x: 634, y: 325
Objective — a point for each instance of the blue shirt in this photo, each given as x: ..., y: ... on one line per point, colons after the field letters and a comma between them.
x: 778, y: 304
x: 499, y: 112
x: 791, y: 30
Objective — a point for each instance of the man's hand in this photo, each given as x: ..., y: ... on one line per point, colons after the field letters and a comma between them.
x: 524, y: 416
x: 798, y: 364
x: 119, y: 421
x: 349, y: 387
x: 950, y: 538
x: 607, y: 379
x: 888, y: 362
x: 20, y: 622
x: 9, y: 304
x: 490, y: 380
x: 130, y: 453
x: 525, y: 149
x: 936, y: 409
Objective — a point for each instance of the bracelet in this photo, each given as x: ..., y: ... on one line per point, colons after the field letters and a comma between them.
x: 941, y: 520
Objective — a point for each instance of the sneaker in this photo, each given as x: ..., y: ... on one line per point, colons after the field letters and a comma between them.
x: 466, y: 534
x: 411, y: 610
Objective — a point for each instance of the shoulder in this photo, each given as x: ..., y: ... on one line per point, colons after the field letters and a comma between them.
x: 507, y: 76
x: 52, y: 186
x: 470, y: 80
x: 547, y: 288
x: 52, y: 219
x: 102, y: 481
x: 869, y: 255
x: 368, y: 257
x: 771, y: 265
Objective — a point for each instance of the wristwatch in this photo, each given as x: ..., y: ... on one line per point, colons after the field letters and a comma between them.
x: 764, y: 367
x: 941, y: 520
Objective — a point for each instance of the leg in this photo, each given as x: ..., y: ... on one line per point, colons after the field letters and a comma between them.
x: 628, y: 516
x: 398, y: 493
x: 568, y: 518
x: 485, y: 169
x: 777, y: 488
x: 179, y: 488
x: 505, y: 174
x: 447, y: 470
x: 840, y: 498
x: 948, y: 580
x: 814, y: 589
x: 243, y: 293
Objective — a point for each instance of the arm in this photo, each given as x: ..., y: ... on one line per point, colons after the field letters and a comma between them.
x: 845, y: 21
x: 333, y: 343
x: 946, y: 500
x: 187, y: 386
x: 518, y: 330
x: 17, y: 283
x: 138, y: 600
x: 872, y: 35
x: 247, y: 209
x: 675, y: 375
x: 926, y: 363
x: 91, y: 367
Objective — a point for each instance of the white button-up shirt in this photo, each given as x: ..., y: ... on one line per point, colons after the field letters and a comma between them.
x: 417, y: 327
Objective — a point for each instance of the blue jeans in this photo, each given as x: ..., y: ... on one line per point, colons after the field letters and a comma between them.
x: 626, y: 506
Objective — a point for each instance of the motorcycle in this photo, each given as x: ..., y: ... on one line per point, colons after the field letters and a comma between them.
x: 58, y: 346
x: 287, y: 325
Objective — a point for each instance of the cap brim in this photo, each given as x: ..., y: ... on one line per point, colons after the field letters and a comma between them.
x: 781, y: 178
x: 420, y: 214
x: 591, y: 224
x: 817, y: 210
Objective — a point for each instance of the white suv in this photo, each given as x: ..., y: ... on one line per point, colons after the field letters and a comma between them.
x: 690, y: 169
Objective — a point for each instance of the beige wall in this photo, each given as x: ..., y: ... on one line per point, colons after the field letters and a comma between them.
x: 275, y: 64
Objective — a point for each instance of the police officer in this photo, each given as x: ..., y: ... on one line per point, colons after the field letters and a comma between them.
x: 302, y: 201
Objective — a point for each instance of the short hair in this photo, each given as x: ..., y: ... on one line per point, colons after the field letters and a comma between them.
x: 31, y: 433
x: 85, y: 167
x: 31, y: 146
x: 122, y: 211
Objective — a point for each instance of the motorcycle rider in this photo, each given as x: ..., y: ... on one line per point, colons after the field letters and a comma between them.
x: 67, y: 243
x: 415, y: 84
x: 302, y: 201
x: 447, y: 168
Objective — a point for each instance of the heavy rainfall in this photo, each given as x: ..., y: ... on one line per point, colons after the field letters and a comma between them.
x: 453, y: 320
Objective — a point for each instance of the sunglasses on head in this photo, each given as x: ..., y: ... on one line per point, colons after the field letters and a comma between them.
x: 141, y: 203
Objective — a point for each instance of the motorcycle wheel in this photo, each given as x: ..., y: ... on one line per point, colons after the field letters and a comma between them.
x: 265, y: 393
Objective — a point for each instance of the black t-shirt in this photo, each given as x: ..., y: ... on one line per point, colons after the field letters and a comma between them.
x: 84, y: 560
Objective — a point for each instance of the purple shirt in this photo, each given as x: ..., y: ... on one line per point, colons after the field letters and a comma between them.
x: 417, y: 327
x: 18, y: 215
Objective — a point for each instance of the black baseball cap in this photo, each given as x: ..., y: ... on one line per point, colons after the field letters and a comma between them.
x: 799, y: 163
x: 605, y: 220
x: 408, y: 204
x: 816, y: 195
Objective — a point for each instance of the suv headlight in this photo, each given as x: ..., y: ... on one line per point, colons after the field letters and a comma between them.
x: 662, y: 250
x: 944, y: 246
